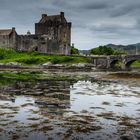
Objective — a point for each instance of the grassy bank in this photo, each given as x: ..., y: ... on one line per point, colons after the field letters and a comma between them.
x: 35, y: 58
x: 10, y: 78
x: 136, y: 64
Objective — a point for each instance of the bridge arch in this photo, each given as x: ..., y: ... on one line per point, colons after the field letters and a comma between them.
x: 111, y: 62
x: 128, y: 64
x: 117, y: 64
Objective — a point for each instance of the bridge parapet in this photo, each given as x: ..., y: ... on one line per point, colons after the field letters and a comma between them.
x: 110, y: 61
x: 131, y: 58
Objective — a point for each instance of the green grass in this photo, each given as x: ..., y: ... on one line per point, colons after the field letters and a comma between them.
x: 10, y: 78
x: 34, y: 58
x: 19, y: 76
x: 136, y: 64
x: 119, y: 64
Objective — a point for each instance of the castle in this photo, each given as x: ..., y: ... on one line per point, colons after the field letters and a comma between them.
x: 52, y: 36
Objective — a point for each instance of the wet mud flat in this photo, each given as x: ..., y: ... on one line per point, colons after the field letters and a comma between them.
x: 79, y: 106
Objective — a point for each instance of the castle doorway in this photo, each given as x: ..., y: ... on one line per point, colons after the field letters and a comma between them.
x: 36, y: 49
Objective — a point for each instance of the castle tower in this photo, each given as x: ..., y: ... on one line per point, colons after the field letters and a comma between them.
x: 57, y: 33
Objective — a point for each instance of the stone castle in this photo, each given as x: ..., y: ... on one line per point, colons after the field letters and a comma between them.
x: 52, y: 36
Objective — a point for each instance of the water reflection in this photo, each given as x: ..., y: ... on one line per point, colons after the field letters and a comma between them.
x: 51, y: 109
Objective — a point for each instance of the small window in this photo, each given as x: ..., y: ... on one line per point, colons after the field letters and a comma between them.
x: 35, y: 37
x: 43, y: 42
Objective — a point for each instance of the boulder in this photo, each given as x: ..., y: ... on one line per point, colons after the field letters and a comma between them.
x: 79, y: 65
x: 6, y: 98
x: 47, y: 64
x: 1, y: 64
x: 13, y: 64
x: 58, y: 65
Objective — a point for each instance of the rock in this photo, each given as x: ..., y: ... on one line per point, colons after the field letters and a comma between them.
x: 1, y: 64
x: 6, y: 98
x: 47, y: 64
x: 53, y: 104
x: 74, y: 65
x: 58, y: 65
x: 79, y: 65
x: 126, y: 137
x: 13, y: 64
x: 46, y: 103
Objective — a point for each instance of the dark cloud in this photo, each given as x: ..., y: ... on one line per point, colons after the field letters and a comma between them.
x: 95, y: 22
x: 95, y: 6
x: 125, y: 9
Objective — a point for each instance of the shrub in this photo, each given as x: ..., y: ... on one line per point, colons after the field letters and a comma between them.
x: 74, y: 50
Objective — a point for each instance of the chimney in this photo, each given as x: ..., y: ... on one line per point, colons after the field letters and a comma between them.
x: 13, y: 28
x: 62, y: 14
x: 69, y: 24
x: 44, y: 15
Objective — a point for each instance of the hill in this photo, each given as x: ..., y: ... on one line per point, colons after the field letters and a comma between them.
x: 130, y: 49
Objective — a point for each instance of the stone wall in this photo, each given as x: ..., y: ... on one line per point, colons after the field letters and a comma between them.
x: 51, y: 36
x: 4, y: 41
x: 9, y: 40
x: 27, y: 43
x: 57, y: 32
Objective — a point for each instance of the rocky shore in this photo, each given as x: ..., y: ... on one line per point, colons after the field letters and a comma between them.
x: 49, y: 66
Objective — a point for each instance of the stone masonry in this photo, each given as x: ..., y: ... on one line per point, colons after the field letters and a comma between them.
x: 8, y: 38
x: 52, y: 36
x: 108, y: 62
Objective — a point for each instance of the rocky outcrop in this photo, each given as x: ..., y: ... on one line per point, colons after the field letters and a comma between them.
x: 6, y: 98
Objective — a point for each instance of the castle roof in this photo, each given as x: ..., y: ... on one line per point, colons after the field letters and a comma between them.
x: 5, y: 31
x: 45, y: 18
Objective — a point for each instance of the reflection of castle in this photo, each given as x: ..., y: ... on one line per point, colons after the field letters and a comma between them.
x: 55, y: 89
x: 52, y: 36
x: 53, y: 95
x: 48, y: 92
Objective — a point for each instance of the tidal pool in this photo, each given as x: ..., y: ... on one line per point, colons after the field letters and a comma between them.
x: 70, y: 110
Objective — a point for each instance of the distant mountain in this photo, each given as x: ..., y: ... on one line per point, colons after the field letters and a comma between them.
x: 130, y: 49
x: 84, y: 52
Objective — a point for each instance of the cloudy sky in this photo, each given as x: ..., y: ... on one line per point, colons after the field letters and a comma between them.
x: 94, y: 22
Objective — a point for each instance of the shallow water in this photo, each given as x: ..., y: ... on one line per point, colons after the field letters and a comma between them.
x: 99, y: 110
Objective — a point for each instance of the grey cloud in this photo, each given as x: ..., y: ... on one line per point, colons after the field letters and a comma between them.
x: 124, y: 10
x: 118, y: 31
x: 94, y: 21
x: 111, y: 28
x: 95, y: 6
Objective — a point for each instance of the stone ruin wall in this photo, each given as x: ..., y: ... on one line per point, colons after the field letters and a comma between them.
x: 50, y: 39
x: 26, y: 43
x: 4, y: 41
x: 9, y: 41
x: 55, y: 35
x: 46, y: 43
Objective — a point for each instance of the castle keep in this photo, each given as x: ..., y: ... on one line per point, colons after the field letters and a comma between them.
x: 52, y: 36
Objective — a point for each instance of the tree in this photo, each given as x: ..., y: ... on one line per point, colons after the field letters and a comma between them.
x: 119, y: 52
x: 74, y: 50
x: 102, y: 50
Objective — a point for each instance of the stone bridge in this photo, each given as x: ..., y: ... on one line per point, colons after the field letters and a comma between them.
x: 110, y: 61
